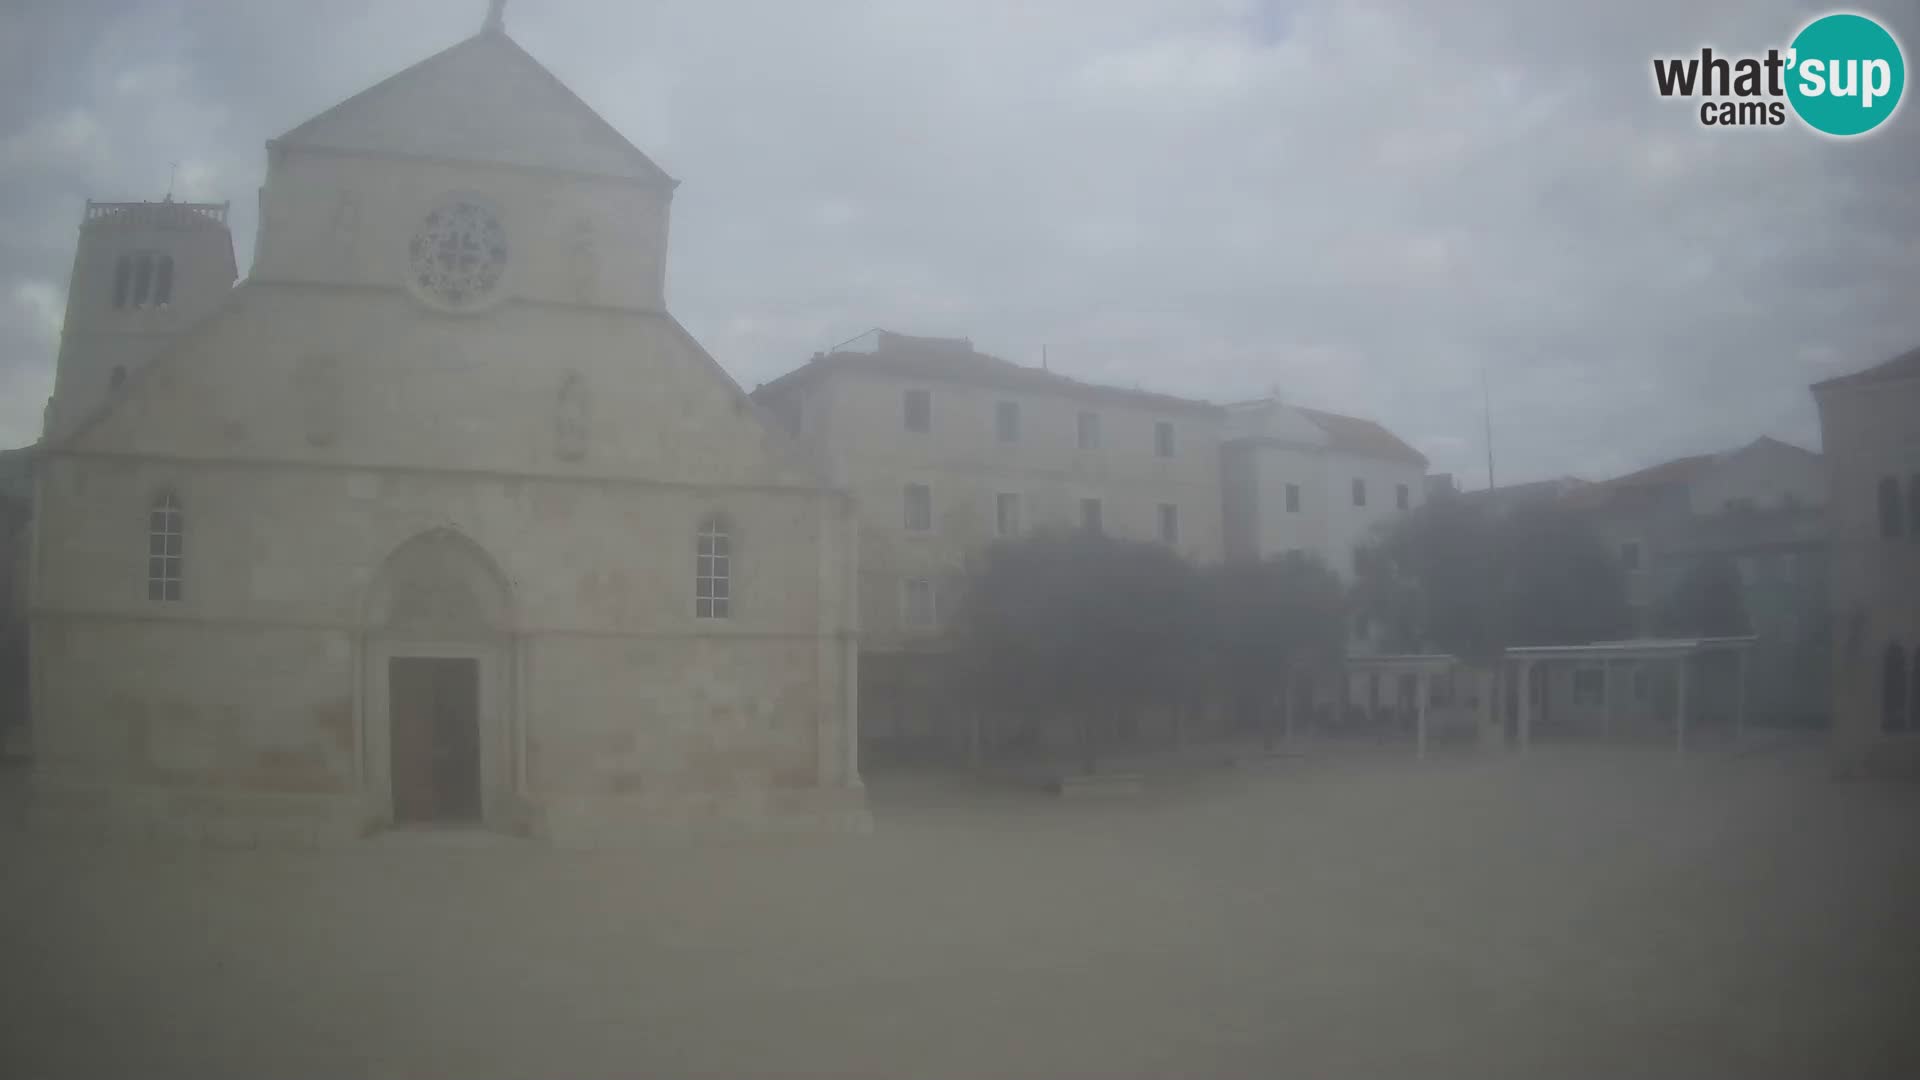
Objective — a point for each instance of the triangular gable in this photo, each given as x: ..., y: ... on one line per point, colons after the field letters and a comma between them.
x: 483, y: 100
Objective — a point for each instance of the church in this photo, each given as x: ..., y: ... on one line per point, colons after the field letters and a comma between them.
x: 438, y: 517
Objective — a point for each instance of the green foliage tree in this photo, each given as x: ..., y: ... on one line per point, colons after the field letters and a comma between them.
x: 1454, y: 577
x: 1268, y: 621
x: 1083, y: 625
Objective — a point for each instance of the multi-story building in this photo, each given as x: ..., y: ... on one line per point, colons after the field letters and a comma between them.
x: 1300, y: 479
x: 946, y: 449
x: 1870, y: 425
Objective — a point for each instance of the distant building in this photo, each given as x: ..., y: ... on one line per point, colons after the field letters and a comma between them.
x: 1870, y: 425
x: 1504, y: 498
x: 1759, y: 508
x: 1299, y: 479
x: 946, y: 449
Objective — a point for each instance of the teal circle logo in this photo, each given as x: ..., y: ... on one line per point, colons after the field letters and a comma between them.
x: 1845, y: 74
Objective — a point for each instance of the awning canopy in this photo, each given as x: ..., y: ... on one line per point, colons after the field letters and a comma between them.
x: 1632, y: 649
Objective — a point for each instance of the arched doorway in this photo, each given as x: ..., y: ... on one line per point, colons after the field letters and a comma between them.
x: 442, y: 737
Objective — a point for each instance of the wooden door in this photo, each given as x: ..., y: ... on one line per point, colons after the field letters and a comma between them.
x: 456, y: 740
x: 433, y: 713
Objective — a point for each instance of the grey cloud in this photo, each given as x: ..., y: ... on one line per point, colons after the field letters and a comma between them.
x: 1365, y: 204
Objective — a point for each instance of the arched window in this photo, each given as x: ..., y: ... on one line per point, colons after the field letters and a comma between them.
x: 165, y: 533
x: 1889, y: 507
x: 122, y: 280
x: 142, y: 279
x: 713, y: 577
x: 1893, y: 688
x: 163, y: 282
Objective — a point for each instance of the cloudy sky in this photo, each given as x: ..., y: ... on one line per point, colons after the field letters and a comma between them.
x: 1359, y: 204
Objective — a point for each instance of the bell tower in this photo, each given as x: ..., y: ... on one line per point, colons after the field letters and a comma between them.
x: 143, y: 273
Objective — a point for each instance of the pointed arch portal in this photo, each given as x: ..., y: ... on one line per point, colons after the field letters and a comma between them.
x: 443, y: 743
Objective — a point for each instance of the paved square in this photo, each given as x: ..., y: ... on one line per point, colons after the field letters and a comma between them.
x: 1580, y: 913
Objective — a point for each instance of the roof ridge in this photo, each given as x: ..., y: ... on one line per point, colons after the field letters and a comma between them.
x: 294, y: 137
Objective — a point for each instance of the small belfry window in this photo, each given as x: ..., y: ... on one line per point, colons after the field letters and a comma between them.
x: 165, y: 536
x: 142, y: 280
x: 713, y: 571
x: 122, y: 280
x: 163, y: 281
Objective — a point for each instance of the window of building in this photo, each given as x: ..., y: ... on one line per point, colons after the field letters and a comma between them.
x: 1006, y: 421
x: 1359, y: 492
x: 1889, y: 507
x: 1893, y: 689
x: 917, y: 404
x: 1293, y: 498
x: 918, y: 605
x: 713, y: 570
x: 919, y: 517
x: 122, y: 280
x: 1402, y: 498
x: 1630, y: 555
x: 1006, y: 514
x: 1090, y: 515
x: 142, y: 280
x: 166, y: 535
x: 163, y: 281
x: 1163, y: 438
x: 1913, y: 692
x: 1642, y: 685
x: 1589, y: 686
x: 117, y: 376
x: 1913, y: 507
x: 1739, y: 505
x: 1169, y: 523
x: 1089, y: 430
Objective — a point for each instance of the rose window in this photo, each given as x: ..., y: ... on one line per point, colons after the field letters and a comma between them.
x: 458, y: 256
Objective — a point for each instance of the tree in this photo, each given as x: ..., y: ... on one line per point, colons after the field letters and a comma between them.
x: 1456, y: 577
x: 1708, y: 602
x: 1269, y: 620
x: 1561, y: 583
x: 1080, y: 624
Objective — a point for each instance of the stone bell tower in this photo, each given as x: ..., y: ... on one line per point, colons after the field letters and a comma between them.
x: 143, y: 273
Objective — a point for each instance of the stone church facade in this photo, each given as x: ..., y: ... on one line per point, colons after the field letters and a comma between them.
x: 438, y: 516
